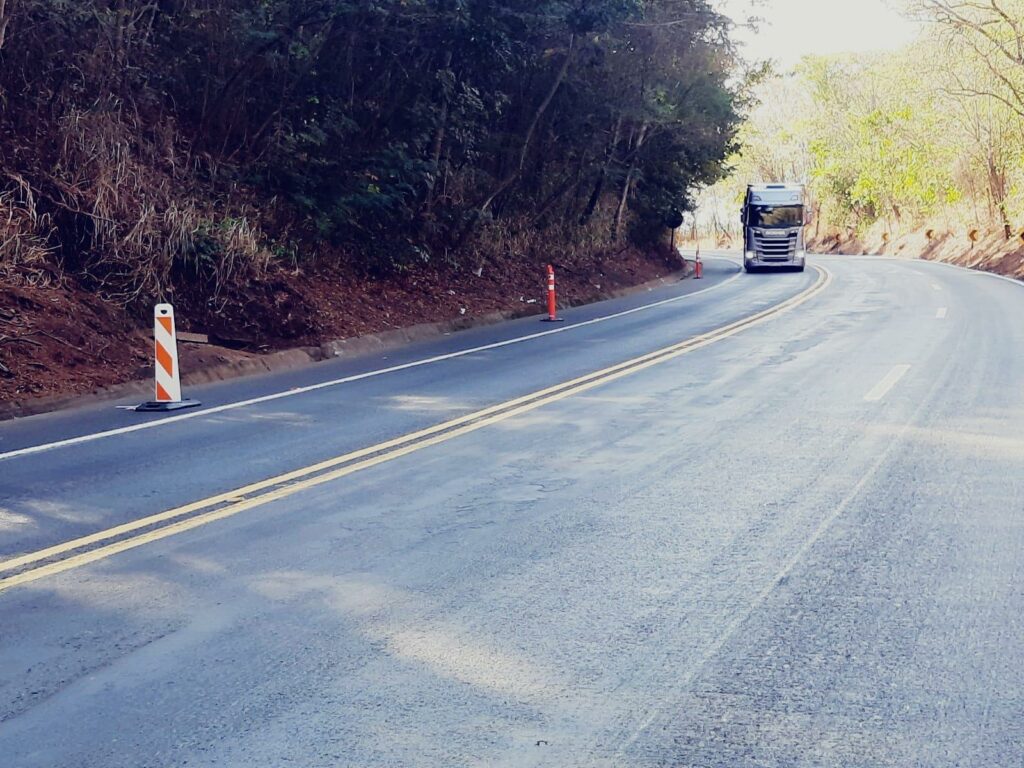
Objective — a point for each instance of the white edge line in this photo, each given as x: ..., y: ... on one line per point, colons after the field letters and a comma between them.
x: 762, y: 597
x: 984, y: 273
x: 870, y: 257
x: 357, y: 377
x: 882, y: 388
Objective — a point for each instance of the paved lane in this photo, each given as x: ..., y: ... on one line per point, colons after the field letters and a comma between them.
x: 800, y: 545
x: 69, y: 492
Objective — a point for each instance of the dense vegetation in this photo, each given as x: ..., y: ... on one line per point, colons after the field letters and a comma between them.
x: 193, y: 145
x: 931, y: 136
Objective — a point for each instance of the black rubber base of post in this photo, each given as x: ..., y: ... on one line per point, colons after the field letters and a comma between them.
x: 152, y: 407
x: 556, y: 320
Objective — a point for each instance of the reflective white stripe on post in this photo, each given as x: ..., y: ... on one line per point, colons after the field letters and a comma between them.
x: 552, y: 300
x: 168, y: 380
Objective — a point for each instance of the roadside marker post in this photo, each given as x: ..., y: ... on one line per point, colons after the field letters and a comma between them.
x: 167, y: 376
x: 698, y: 266
x: 552, y: 298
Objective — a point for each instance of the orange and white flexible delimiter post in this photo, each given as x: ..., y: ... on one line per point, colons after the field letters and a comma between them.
x: 168, y: 379
x: 167, y: 384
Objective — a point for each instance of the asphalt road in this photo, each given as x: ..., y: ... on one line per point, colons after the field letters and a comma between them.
x: 751, y: 538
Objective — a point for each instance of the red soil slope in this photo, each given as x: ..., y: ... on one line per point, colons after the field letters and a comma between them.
x: 62, y: 340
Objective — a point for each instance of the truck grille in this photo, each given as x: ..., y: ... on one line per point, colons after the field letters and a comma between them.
x: 776, y: 248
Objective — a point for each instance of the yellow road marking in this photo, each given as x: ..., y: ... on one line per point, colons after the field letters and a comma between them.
x: 282, y: 486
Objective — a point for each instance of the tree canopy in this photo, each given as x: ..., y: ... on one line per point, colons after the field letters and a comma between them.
x: 924, y: 136
x: 158, y: 140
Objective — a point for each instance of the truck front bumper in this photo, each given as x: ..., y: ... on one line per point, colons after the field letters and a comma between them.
x: 755, y: 261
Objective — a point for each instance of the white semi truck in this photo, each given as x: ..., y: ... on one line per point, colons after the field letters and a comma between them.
x: 773, y: 227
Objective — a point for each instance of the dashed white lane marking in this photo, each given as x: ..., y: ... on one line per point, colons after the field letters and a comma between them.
x: 941, y: 313
x: 349, y: 379
x: 882, y: 388
x: 936, y: 287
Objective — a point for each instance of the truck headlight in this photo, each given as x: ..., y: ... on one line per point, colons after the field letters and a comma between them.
x: 750, y: 255
x: 801, y: 254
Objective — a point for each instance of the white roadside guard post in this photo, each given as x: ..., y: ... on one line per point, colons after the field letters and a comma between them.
x: 167, y: 375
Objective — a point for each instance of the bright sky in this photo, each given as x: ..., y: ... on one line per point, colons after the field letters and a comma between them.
x: 795, y: 28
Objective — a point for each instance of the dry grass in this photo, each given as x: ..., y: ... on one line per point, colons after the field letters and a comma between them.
x: 511, y: 241
x: 25, y: 255
x: 145, y: 229
x: 983, y: 248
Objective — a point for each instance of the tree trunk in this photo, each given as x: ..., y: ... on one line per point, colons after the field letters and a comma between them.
x: 627, y: 186
x: 435, y: 157
x: 567, y: 186
x: 5, y: 18
x: 437, y: 145
x: 513, y: 176
x: 997, y: 189
x: 620, y: 211
x: 595, y: 196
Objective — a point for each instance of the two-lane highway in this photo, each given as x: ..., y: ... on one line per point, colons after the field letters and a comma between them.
x: 125, y: 466
x: 776, y: 522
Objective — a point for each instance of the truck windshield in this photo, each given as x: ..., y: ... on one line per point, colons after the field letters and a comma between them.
x: 780, y: 216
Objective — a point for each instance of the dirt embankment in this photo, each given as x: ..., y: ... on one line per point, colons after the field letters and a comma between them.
x: 985, y: 249
x: 60, y: 339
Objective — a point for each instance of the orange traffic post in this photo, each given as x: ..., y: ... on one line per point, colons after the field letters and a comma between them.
x: 167, y: 384
x: 552, y: 298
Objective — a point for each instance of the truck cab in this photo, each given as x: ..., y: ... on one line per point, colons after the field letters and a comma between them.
x: 774, y: 216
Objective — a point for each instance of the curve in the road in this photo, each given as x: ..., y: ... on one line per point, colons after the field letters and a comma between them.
x: 349, y: 379
x: 60, y: 558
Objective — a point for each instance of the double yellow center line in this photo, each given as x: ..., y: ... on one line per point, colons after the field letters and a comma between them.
x: 68, y: 555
